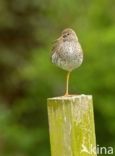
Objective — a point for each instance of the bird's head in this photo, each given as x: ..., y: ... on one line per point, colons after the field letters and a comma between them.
x: 69, y: 34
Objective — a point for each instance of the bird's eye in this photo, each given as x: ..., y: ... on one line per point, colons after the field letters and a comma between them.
x: 67, y: 33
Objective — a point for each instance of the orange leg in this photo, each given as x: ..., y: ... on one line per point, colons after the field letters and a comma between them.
x: 67, y: 84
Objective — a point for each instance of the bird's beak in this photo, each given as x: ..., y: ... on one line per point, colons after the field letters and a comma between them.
x: 57, y: 39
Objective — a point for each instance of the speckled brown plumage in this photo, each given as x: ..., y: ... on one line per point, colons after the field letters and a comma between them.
x: 67, y: 52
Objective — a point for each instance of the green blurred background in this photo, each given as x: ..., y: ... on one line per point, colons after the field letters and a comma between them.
x: 28, y: 78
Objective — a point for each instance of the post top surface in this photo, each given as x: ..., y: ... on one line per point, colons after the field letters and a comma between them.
x: 70, y: 97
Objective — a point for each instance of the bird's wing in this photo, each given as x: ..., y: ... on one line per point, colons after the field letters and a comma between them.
x: 56, y: 44
x: 54, y: 48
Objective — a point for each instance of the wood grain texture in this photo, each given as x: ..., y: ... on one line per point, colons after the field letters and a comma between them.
x: 71, y: 125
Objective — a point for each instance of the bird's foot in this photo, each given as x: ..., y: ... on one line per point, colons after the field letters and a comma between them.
x: 66, y: 94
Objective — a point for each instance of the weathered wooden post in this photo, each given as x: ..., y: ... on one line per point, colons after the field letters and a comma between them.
x: 71, y: 124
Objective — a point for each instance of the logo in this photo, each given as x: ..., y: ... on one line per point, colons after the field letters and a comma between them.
x: 96, y: 149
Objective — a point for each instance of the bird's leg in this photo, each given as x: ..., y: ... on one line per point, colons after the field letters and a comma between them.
x: 67, y: 84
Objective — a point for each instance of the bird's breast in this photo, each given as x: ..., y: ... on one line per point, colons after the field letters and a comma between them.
x: 68, y: 56
x: 70, y: 49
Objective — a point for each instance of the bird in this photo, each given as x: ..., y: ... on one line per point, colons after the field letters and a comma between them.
x: 67, y: 53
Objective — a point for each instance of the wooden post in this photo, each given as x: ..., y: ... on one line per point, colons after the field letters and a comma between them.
x: 71, y: 124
